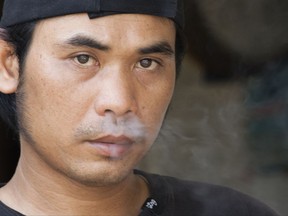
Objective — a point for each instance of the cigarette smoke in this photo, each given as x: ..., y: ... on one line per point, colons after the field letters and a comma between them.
x: 202, y: 136
x: 128, y: 125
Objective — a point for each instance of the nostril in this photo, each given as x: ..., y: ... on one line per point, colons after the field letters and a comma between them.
x: 108, y: 111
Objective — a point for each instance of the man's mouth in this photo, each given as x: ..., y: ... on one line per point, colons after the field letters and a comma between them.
x: 112, y: 146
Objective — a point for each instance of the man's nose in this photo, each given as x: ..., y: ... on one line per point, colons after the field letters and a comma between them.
x: 116, y: 94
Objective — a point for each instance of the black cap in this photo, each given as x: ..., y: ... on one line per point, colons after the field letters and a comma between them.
x: 21, y: 11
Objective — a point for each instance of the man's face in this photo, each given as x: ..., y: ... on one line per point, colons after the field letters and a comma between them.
x: 95, y: 93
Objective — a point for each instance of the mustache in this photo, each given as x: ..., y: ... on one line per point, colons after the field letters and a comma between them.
x: 129, y: 126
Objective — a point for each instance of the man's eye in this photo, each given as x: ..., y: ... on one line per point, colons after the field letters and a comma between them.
x: 84, y: 60
x: 147, y: 63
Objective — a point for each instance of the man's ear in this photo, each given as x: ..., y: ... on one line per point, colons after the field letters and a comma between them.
x: 9, y: 68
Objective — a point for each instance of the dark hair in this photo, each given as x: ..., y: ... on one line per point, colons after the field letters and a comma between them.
x: 20, y: 37
x: 180, y: 48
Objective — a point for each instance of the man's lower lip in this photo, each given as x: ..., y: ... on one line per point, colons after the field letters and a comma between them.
x: 112, y: 150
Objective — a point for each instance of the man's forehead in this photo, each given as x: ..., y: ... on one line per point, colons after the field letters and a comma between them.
x: 21, y: 11
x: 102, y: 32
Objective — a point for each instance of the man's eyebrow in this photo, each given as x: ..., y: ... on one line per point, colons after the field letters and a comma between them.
x: 160, y: 47
x: 81, y: 40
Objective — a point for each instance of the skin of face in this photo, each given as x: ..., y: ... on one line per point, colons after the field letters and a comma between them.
x: 93, y: 95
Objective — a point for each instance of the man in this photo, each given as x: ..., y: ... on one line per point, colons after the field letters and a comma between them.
x: 89, y: 83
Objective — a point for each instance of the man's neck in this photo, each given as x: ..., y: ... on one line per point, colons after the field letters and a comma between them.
x: 36, y: 193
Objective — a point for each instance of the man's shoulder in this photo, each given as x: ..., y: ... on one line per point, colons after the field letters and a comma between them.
x: 205, y: 199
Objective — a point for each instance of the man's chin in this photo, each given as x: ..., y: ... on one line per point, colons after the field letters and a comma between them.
x: 102, y: 177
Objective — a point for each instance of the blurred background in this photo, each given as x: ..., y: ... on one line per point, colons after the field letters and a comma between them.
x: 228, y: 121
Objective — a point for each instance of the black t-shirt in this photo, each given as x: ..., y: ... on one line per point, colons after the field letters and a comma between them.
x: 188, y: 198
x: 174, y: 197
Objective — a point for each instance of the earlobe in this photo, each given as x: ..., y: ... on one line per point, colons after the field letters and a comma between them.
x: 9, y: 68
